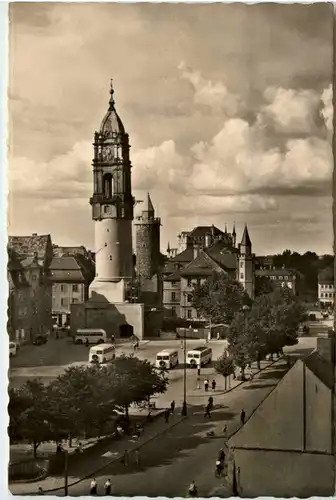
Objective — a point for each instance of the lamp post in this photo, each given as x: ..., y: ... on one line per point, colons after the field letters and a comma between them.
x: 184, y: 405
x: 65, y: 473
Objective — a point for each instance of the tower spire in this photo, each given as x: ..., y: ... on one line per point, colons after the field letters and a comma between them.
x: 234, y: 229
x: 111, y: 101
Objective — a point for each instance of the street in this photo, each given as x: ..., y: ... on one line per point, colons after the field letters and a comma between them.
x: 169, y: 463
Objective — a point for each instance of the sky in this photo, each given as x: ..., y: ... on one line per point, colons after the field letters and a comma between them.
x: 228, y: 108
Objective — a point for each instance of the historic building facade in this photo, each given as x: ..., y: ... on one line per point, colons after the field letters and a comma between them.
x: 326, y: 287
x: 207, y: 249
x: 30, y: 287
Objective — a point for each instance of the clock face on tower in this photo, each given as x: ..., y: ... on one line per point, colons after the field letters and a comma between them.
x: 107, y: 153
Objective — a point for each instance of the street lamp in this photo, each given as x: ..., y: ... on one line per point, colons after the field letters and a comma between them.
x: 66, y: 475
x: 184, y: 405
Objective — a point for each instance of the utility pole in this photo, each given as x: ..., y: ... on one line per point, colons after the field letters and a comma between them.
x: 184, y: 406
x: 65, y: 473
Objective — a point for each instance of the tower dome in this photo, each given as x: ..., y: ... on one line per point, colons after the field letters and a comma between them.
x: 111, y: 123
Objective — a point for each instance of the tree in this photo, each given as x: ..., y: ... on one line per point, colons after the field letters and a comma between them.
x: 225, y: 366
x: 82, y: 401
x: 263, y: 285
x: 219, y: 298
x: 29, y: 414
x: 133, y: 380
x: 271, y: 323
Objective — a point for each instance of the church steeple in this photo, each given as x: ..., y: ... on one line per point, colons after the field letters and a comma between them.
x: 111, y: 101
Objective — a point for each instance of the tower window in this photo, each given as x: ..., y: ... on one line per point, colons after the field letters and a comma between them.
x: 105, y: 209
x: 110, y: 257
x: 242, y: 264
x: 108, y: 230
x: 241, y: 276
x: 108, y: 185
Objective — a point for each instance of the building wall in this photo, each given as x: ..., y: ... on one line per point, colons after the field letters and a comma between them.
x: 65, y: 294
x: 171, y: 297
x: 186, y: 309
x: 283, y: 474
x: 144, y: 250
x: 245, y: 273
x: 108, y: 316
x: 31, y: 306
x: 318, y: 414
x: 326, y: 293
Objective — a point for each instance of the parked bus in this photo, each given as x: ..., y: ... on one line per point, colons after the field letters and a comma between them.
x: 167, y: 359
x: 199, y: 356
x: 102, y: 353
x: 90, y: 336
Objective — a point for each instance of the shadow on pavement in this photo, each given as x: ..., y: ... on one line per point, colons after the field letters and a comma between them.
x: 184, y: 437
x: 259, y: 386
x: 276, y: 373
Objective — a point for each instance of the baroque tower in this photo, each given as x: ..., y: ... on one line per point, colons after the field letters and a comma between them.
x: 112, y: 209
x: 246, y: 263
x: 147, y: 241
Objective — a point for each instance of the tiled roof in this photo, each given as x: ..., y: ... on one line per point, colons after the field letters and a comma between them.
x: 226, y: 257
x: 201, y: 231
x: 185, y: 256
x: 321, y: 368
x: 61, y: 251
x: 274, y: 272
x: 202, y: 265
x: 172, y: 277
x: 326, y: 275
x: 30, y: 245
x: 71, y: 268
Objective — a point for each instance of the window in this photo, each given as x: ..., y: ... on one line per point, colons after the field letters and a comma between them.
x: 63, y: 288
x: 173, y: 310
x: 105, y: 209
x: 174, y: 283
x: 173, y: 297
x: 241, y: 276
x: 189, y: 297
x: 34, y: 277
x: 242, y: 264
x: 189, y: 313
x: 74, y: 301
x: 286, y: 278
x: 189, y: 282
x: 75, y: 288
x: 280, y: 277
x: 64, y: 302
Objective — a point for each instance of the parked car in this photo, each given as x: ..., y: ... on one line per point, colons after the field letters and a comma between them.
x: 40, y: 340
x: 12, y: 349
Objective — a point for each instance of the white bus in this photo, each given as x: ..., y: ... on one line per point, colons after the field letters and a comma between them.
x: 167, y: 359
x: 199, y: 356
x: 102, y: 353
x: 90, y: 336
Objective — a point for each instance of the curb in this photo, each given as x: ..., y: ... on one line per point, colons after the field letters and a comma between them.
x: 114, y: 460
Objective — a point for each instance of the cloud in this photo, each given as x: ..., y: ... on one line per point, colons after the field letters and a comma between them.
x: 214, y: 95
x: 327, y: 109
x: 290, y: 111
x: 235, y: 162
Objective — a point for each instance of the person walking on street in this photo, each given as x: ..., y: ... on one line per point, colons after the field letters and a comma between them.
x: 210, y: 402
x: 206, y: 385
x: 137, y: 457
x: 213, y: 385
x: 242, y: 417
x: 107, y: 487
x: 207, y: 411
x: 113, y: 339
x: 172, y: 407
x: 192, y: 489
x: 40, y: 491
x: 166, y: 415
x: 225, y: 430
x: 126, y: 458
x: 87, y: 342
x: 93, y: 487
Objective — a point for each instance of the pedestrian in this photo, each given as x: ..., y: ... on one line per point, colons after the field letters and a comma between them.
x: 210, y: 402
x: 166, y: 415
x: 125, y: 458
x: 40, y: 491
x: 137, y: 457
x: 198, y: 370
x: 225, y: 430
x: 113, y: 339
x: 207, y: 411
x: 93, y: 487
x: 182, y: 344
x: 206, y: 385
x: 107, y: 487
x: 172, y: 407
x: 87, y: 342
x: 213, y: 385
x: 242, y: 417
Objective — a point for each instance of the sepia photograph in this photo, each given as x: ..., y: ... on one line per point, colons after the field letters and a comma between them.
x: 170, y: 261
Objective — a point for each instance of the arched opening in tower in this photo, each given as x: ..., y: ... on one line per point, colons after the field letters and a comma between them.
x: 108, y: 184
x: 126, y: 331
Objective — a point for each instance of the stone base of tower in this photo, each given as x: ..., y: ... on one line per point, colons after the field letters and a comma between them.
x: 119, y: 319
x: 107, y: 291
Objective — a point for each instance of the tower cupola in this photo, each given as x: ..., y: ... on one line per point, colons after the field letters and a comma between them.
x: 111, y: 124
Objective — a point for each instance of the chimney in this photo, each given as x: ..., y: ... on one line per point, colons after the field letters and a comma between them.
x: 195, y: 251
x: 325, y: 345
x: 207, y: 240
